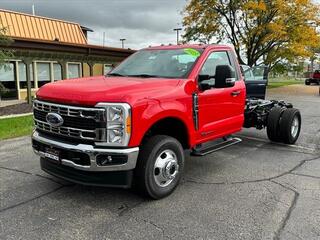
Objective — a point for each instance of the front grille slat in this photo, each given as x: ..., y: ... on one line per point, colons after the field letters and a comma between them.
x: 98, y: 114
x: 74, y: 122
x: 79, y: 122
x: 79, y: 133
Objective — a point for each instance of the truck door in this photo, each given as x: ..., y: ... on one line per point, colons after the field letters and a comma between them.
x: 256, y: 80
x: 220, y: 109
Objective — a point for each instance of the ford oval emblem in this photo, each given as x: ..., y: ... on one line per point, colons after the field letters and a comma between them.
x: 54, y: 119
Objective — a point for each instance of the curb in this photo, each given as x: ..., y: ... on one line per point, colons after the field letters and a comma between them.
x: 15, y: 115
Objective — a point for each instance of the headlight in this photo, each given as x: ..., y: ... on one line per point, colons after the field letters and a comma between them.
x: 118, y: 129
x: 115, y: 114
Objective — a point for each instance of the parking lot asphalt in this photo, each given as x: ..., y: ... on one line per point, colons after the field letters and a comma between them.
x: 252, y: 190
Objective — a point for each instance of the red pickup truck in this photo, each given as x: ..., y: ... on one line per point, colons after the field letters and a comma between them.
x: 314, y: 78
x: 131, y: 127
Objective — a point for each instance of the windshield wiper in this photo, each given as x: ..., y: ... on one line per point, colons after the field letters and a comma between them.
x: 115, y: 74
x: 144, y: 75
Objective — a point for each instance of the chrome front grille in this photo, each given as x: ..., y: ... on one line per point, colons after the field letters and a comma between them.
x: 79, y: 122
x: 97, y: 114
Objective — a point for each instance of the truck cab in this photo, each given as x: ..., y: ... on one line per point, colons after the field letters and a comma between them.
x: 131, y: 127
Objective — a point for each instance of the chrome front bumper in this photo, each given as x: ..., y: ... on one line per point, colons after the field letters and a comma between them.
x: 92, y: 152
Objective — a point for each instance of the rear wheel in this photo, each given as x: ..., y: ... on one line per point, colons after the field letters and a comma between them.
x: 307, y: 82
x: 160, y: 166
x: 273, y: 124
x: 290, y: 125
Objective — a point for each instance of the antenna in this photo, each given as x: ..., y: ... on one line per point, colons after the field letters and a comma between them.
x: 33, y: 10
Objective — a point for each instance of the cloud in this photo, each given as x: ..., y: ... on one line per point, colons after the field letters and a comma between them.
x: 141, y: 22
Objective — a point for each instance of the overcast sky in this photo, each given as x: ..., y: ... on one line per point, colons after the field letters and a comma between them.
x: 141, y: 22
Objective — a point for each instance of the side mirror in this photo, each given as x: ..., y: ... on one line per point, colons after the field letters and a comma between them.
x: 203, y: 84
x: 225, y: 76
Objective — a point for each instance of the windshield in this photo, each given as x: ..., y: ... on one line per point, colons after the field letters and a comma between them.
x: 174, y: 63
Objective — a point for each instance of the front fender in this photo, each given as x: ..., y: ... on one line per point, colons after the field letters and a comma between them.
x: 153, y: 112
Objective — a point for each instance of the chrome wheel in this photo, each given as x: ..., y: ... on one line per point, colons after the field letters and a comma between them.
x: 166, y: 168
x: 295, y: 127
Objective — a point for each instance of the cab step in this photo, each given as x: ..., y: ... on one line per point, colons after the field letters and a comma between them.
x: 216, y: 145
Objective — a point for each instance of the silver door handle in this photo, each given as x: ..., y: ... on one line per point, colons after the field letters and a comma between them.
x: 235, y: 93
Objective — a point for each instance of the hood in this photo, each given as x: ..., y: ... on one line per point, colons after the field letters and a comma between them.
x: 89, y: 91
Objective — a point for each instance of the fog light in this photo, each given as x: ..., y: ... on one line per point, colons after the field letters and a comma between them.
x: 111, y: 159
x: 105, y: 160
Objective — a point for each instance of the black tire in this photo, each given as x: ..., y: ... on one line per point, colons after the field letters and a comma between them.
x: 286, y: 125
x: 145, y: 172
x: 273, y: 124
x: 307, y: 82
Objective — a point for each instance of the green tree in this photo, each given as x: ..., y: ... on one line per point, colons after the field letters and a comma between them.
x: 260, y: 30
x: 4, y: 42
x: 4, y: 55
x: 280, y: 68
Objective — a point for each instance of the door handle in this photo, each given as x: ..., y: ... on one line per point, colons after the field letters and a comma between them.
x: 235, y: 93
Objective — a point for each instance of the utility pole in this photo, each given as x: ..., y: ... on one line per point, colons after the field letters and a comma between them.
x: 177, y: 30
x: 122, y: 41
x: 104, y: 38
x: 33, y: 10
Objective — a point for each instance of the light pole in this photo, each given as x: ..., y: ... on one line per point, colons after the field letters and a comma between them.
x: 104, y: 38
x: 122, y: 41
x: 177, y: 30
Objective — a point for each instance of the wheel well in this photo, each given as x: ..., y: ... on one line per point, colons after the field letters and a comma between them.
x: 172, y: 127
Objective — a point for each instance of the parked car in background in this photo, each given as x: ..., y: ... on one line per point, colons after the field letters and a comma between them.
x: 314, y: 78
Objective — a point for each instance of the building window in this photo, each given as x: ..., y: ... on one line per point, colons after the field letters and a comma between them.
x: 74, y: 70
x: 107, y: 68
x: 43, y: 73
x: 57, y: 72
x: 23, y: 75
x: 7, y: 80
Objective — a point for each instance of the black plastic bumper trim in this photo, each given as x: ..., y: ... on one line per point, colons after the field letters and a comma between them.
x: 119, y: 179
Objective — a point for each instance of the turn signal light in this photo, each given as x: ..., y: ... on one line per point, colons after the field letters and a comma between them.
x: 128, y: 125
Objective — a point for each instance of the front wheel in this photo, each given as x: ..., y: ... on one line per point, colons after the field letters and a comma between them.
x: 160, y: 165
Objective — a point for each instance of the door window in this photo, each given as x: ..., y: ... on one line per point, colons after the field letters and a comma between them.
x: 209, y: 67
x: 247, y: 73
x: 257, y: 73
